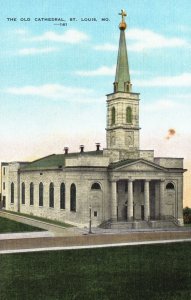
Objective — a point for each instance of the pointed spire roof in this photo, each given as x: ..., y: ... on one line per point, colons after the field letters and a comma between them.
x: 122, y: 78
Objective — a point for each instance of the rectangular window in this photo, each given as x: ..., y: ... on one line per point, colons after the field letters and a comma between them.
x: 4, y: 171
x: 12, y: 193
x: 95, y: 213
x: 3, y: 185
x: 23, y: 193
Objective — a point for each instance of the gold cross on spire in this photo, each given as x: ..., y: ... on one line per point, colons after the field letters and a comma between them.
x: 123, y: 14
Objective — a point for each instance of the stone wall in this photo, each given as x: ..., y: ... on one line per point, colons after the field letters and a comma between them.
x: 147, y: 154
x: 169, y: 162
x: 83, y: 179
x: 87, y: 160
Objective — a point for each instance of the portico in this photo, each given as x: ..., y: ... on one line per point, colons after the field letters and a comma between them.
x: 134, y: 199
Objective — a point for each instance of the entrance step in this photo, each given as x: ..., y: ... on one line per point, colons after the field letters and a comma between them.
x: 127, y: 225
x: 152, y: 224
x: 162, y: 224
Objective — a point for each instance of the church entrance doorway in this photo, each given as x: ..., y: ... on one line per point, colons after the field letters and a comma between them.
x: 122, y: 201
x: 142, y: 212
x: 96, y: 203
x: 4, y: 201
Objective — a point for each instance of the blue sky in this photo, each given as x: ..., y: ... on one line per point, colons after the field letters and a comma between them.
x: 54, y: 78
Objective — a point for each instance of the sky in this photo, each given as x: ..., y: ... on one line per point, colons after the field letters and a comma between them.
x: 55, y: 75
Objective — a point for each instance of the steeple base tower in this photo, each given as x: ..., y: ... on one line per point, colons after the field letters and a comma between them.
x: 122, y: 132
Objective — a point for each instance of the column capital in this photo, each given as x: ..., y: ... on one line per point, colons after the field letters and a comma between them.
x: 113, y: 180
x: 162, y: 180
x: 147, y: 180
x: 130, y: 179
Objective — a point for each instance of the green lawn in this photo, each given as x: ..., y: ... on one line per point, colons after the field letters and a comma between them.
x: 135, y: 272
x: 9, y: 226
x: 40, y: 219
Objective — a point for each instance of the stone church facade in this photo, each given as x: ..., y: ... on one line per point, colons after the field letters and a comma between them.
x: 121, y: 184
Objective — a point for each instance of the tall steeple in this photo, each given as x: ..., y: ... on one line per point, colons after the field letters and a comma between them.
x: 122, y: 78
x: 122, y: 131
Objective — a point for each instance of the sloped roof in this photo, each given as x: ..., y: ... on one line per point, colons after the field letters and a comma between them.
x: 122, y: 163
x: 56, y: 161
x: 127, y: 162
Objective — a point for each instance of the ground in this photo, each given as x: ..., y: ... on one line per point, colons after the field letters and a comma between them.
x: 8, y: 226
x: 134, y: 272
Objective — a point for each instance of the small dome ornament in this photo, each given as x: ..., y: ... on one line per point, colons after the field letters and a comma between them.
x: 123, y: 25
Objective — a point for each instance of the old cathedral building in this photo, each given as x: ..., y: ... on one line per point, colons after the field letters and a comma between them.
x: 122, y: 184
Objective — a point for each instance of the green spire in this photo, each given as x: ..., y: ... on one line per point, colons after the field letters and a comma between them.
x: 122, y: 77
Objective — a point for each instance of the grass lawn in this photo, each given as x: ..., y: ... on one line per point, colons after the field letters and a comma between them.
x: 10, y: 226
x: 40, y: 219
x: 135, y: 272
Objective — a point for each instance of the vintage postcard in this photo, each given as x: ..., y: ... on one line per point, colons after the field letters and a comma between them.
x: 95, y: 134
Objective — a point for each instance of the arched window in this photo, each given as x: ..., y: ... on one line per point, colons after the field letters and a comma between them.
x: 31, y: 193
x: 23, y: 193
x: 41, y: 194
x: 95, y: 186
x: 128, y: 114
x: 62, y: 196
x: 51, y: 195
x: 170, y: 186
x: 113, y: 116
x: 73, y: 197
x: 12, y: 192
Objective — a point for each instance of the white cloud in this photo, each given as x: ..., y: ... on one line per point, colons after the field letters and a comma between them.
x: 106, y: 47
x: 102, y: 71
x: 161, y: 105
x: 35, y: 51
x: 182, y: 80
x: 144, y: 39
x: 56, y: 92
x: 70, y: 36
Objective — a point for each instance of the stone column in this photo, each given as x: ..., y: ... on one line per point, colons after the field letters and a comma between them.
x: 147, y: 201
x: 130, y: 201
x: 114, y: 201
x: 161, y: 207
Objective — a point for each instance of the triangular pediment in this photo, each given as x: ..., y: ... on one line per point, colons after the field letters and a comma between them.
x: 138, y: 165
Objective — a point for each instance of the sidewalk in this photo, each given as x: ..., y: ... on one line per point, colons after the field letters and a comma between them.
x: 11, y: 251
x: 54, y: 243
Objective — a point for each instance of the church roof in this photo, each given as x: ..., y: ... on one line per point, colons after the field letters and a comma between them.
x: 56, y: 161
x: 122, y: 163
x: 127, y: 162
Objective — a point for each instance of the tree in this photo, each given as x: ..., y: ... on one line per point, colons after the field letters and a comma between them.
x: 187, y: 215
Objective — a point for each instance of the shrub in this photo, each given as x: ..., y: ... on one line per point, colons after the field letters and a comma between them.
x: 187, y: 215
